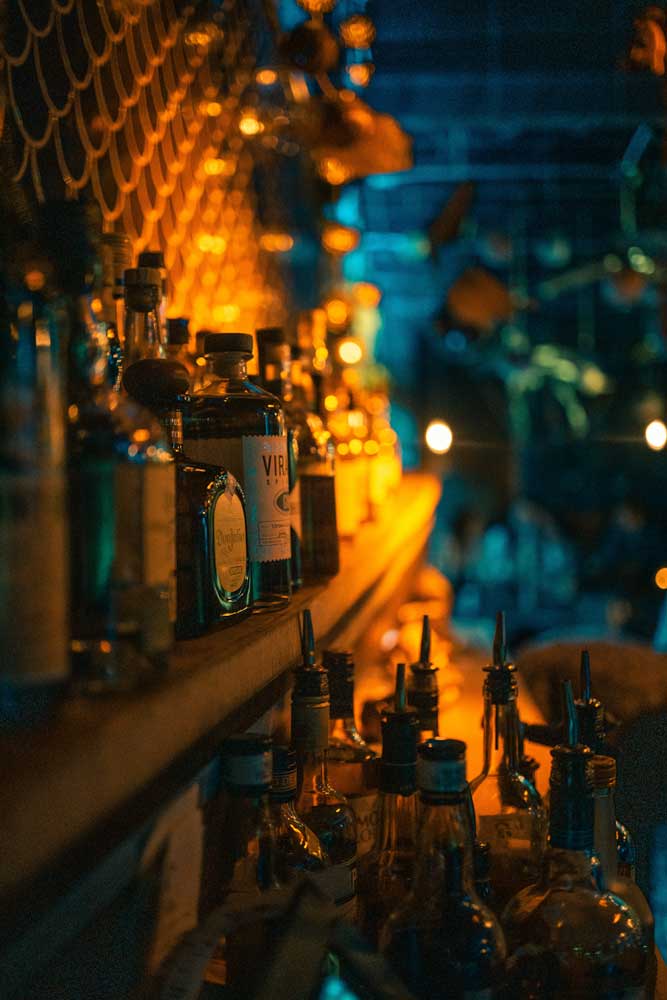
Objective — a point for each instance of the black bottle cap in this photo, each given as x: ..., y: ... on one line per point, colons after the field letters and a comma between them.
x: 151, y: 258
x: 441, y: 767
x: 339, y: 665
x: 247, y: 763
x: 178, y: 330
x: 590, y: 712
x: 219, y: 343
x: 500, y: 680
x: 571, y: 785
x: 283, y: 782
x: 398, y: 764
x: 271, y: 335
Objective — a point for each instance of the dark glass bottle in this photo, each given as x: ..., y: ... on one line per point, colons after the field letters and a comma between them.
x: 386, y: 872
x: 154, y: 259
x: 320, y: 806
x: 212, y: 566
x: 178, y: 344
x: 298, y: 849
x: 274, y: 364
x: 235, y: 425
x: 509, y: 811
x: 566, y: 936
x: 352, y: 763
x: 441, y: 939
x: 423, y: 686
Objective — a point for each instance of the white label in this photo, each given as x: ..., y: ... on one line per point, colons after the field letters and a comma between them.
x: 295, y: 508
x: 159, y: 529
x: 249, y: 769
x: 229, y: 538
x: 338, y: 883
x: 33, y: 578
x: 267, y: 490
x: 509, y: 830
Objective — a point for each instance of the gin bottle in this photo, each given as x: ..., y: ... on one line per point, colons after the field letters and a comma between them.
x: 234, y: 425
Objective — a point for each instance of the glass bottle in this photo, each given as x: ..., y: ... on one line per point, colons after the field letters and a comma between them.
x: 566, y: 937
x: 423, y: 687
x: 320, y: 806
x: 116, y: 255
x: 212, y: 566
x: 352, y: 763
x: 248, y: 863
x: 441, y: 939
x: 606, y: 850
x: 274, y: 362
x: 316, y: 466
x: 386, y: 871
x: 178, y: 344
x: 121, y: 500
x: 508, y: 809
x: 34, y: 663
x: 235, y: 425
x: 154, y: 259
x: 298, y: 849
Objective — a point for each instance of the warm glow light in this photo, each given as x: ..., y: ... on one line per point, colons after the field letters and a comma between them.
x: 656, y: 435
x: 249, y: 123
x: 227, y: 313
x: 356, y: 447
x: 140, y: 435
x: 317, y: 6
x: 339, y: 239
x: 208, y: 243
x: 331, y: 403
x: 361, y: 73
x: 266, y: 77
x: 337, y: 311
x: 276, y: 242
x: 371, y: 447
x: 333, y: 170
x: 343, y: 448
x: 34, y: 280
x: 201, y: 362
x: 350, y: 352
x: 217, y: 166
x: 213, y: 109
x: 96, y: 306
x: 439, y: 437
x: 357, y: 32
x: 367, y: 294
x: 661, y: 578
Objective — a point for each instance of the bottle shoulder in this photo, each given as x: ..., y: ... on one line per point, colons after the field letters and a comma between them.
x: 109, y: 422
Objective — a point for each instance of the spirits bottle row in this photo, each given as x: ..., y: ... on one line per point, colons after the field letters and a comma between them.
x: 469, y: 888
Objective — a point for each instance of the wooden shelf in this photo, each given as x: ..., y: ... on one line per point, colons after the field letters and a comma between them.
x: 61, y: 784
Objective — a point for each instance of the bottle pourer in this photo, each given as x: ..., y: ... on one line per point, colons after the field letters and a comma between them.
x: 307, y: 640
x: 400, y: 696
x: 590, y: 712
x: 570, y: 721
x: 425, y: 646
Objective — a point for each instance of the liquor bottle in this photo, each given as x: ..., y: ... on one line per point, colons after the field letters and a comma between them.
x: 178, y: 341
x: 237, y: 426
x: 121, y: 497
x: 606, y: 851
x: 34, y: 663
x: 509, y: 811
x: 352, y: 763
x: 323, y: 809
x: 316, y: 457
x: 154, y: 259
x: 482, y: 870
x: 567, y: 937
x: 386, y: 871
x: 116, y: 255
x: 442, y: 940
x: 248, y: 865
x: 274, y: 364
x: 423, y: 687
x: 298, y: 849
x: 212, y: 565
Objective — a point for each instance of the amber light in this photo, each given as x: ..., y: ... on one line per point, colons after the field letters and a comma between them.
x: 350, y: 352
x: 276, y: 242
x: 357, y: 32
x: 249, y: 124
x: 213, y: 109
x: 656, y: 435
x: 661, y: 578
x: 228, y: 313
x: 367, y: 294
x: 217, y: 166
x: 337, y: 238
x: 361, y: 73
x: 34, y: 280
x: 333, y: 170
x: 266, y: 77
x: 331, y: 403
x: 337, y: 311
x: 208, y: 243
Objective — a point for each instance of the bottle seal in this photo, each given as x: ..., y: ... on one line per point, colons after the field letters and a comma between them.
x: 441, y: 767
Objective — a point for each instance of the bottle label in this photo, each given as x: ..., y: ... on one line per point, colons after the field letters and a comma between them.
x: 511, y: 831
x: 365, y: 808
x: 285, y: 782
x: 310, y: 724
x: 440, y: 775
x: 339, y: 884
x: 229, y: 539
x: 249, y: 770
x: 32, y: 542
x: 267, y: 489
x: 295, y: 508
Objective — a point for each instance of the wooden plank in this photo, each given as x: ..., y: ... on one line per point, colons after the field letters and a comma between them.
x: 60, y: 783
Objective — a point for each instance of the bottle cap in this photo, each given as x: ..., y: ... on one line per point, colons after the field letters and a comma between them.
x: 604, y: 771
x: 441, y: 767
x: 151, y: 258
x: 141, y: 277
x: 283, y: 782
x: 247, y: 763
x: 500, y: 682
x: 178, y: 330
x: 310, y: 695
x: 271, y: 335
x: 339, y: 665
x: 237, y: 343
x: 398, y: 764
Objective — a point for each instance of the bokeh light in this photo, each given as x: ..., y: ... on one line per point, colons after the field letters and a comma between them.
x: 439, y: 437
x: 656, y: 435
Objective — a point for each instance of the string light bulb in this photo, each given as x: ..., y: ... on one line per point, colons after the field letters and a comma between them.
x: 438, y: 437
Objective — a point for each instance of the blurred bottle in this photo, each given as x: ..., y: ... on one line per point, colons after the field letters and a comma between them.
x: 386, y: 872
x: 154, y: 259
x: 442, y: 940
x: 298, y: 849
x: 508, y: 808
x: 423, y: 687
x: 116, y: 254
x: 352, y: 763
x: 178, y: 344
x: 566, y: 937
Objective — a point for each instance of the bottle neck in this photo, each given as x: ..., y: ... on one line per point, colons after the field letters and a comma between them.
x: 567, y: 868
x: 605, y: 831
x: 501, y: 737
x: 312, y: 772
x: 249, y: 862
x: 232, y: 366
x: 445, y: 824
x: 143, y: 336
x: 397, y: 822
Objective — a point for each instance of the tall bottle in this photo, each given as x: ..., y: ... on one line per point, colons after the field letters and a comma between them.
x: 178, y: 344
x: 323, y: 809
x: 298, y: 849
x: 441, y: 939
x: 116, y: 254
x: 509, y: 810
x: 386, y: 871
x: 567, y: 937
x: 34, y: 662
x: 235, y: 425
x: 121, y: 498
x: 423, y: 686
x: 352, y: 763
x: 274, y: 364
x: 154, y: 259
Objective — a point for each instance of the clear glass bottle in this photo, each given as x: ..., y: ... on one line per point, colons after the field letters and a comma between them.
x: 320, y: 806
x: 237, y: 426
x: 274, y: 363
x: 386, y: 871
x: 441, y: 939
x: 423, y: 687
x: 567, y: 937
x: 508, y: 808
x: 352, y: 763
x: 116, y: 255
x: 320, y: 553
x: 298, y: 849
x: 212, y: 565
